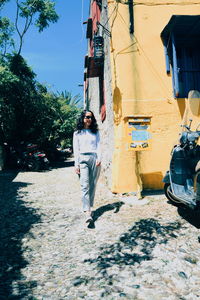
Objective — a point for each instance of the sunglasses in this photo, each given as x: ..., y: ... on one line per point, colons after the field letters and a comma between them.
x: 88, y: 117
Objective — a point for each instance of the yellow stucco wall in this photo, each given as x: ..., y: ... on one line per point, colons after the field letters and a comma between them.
x: 142, y: 87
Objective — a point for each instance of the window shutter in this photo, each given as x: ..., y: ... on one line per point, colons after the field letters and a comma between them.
x: 89, y: 29
x: 86, y: 62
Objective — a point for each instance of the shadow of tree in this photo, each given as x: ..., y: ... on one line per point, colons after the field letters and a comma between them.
x: 134, y: 246
x: 16, y: 220
x: 101, y: 210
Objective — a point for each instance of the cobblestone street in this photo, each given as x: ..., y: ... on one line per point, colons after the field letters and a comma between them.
x: 136, y: 249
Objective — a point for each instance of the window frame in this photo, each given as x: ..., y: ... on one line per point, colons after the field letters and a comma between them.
x: 181, y: 32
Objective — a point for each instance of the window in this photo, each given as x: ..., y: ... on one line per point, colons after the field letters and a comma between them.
x: 181, y: 39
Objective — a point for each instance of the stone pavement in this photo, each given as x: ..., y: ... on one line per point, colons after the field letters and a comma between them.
x: 136, y: 249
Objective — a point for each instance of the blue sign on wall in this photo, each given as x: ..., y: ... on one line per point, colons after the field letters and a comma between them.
x: 140, y: 135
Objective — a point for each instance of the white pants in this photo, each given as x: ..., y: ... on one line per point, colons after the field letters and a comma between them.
x: 89, y: 174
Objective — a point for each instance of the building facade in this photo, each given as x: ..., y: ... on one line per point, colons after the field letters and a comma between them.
x: 143, y: 86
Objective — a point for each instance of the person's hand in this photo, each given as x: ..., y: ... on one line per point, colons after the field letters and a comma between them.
x: 77, y: 170
x: 98, y: 163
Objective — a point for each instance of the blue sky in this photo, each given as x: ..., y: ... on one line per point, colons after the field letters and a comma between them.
x: 57, y: 54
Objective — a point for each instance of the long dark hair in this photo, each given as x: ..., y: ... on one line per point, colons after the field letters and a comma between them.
x: 80, y: 122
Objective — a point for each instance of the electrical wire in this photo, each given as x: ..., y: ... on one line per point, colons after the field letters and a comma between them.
x: 164, y: 87
x: 82, y: 8
x: 111, y: 15
x: 157, y: 3
x: 104, y: 25
x: 123, y: 20
x: 167, y: 3
x: 162, y: 82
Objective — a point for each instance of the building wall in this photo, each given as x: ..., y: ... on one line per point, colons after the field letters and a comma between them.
x: 106, y: 126
x: 142, y: 87
x: 135, y: 84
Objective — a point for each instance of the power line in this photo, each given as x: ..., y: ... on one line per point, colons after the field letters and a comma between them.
x: 82, y: 8
x: 110, y: 15
x: 157, y: 4
x: 167, y: 3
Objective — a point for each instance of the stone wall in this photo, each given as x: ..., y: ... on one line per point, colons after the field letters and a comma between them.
x: 107, y: 126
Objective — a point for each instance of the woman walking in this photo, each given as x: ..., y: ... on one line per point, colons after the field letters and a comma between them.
x: 87, y: 155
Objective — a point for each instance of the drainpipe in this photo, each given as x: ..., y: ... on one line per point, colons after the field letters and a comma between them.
x: 131, y: 16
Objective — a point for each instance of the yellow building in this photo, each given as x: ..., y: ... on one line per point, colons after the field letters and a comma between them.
x: 152, y: 51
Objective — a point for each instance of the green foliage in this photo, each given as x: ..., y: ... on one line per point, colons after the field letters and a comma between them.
x: 66, y: 109
x: 8, y: 84
x: 8, y: 81
x: 6, y: 32
x: 28, y: 112
x: 19, y: 67
x: 43, y: 10
x: 67, y: 98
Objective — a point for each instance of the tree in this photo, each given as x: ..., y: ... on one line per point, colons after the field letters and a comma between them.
x: 67, y: 109
x: 28, y: 112
x: 38, y: 12
x: 68, y: 99
x: 17, y: 87
x: 8, y: 84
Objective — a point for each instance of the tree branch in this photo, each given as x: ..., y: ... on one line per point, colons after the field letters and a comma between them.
x: 17, y: 28
x: 28, y: 11
x: 26, y: 26
x: 17, y: 18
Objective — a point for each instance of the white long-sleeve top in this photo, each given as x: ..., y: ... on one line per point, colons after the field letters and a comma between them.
x: 86, y: 142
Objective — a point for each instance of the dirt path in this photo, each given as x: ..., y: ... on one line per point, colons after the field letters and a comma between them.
x: 145, y: 249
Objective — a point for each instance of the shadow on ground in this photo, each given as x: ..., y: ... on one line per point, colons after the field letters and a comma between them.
x: 53, y: 165
x: 16, y: 220
x: 188, y: 214
x: 133, y: 247
x: 101, y: 210
x: 61, y: 164
x: 152, y: 193
x: 191, y: 216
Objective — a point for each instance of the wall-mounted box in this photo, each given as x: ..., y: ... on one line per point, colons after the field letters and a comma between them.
x: 138, y: 133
